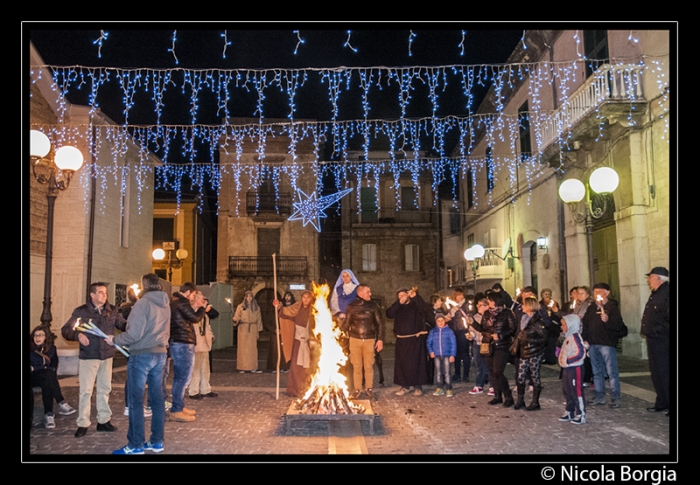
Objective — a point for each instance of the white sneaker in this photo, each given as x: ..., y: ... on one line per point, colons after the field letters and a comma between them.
x: 65, y: 409
x: 491, y: 393
x: 476, y: 390
x: 147, y: 412
x: 49, y: 421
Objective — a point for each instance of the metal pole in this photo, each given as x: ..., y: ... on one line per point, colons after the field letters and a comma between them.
x: 277, y: 325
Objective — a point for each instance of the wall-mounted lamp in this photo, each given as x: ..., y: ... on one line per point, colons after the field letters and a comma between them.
x: 542, y: 243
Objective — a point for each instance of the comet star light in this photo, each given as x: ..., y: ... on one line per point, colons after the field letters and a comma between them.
x: 310, y: 209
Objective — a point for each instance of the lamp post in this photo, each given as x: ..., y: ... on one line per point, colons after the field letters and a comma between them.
x: 602, y: 182
x: 171, y: 262
x: 471, y: 255
x: 55, y: 169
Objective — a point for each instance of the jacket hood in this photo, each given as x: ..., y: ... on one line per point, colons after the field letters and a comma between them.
x: 158, y: 298
x: 573, y: 324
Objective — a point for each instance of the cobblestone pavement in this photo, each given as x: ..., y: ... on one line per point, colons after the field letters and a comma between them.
x: 246, y: 419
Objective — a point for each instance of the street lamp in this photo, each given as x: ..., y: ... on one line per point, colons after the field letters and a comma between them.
x: 171, y: 262
x: 54, y: 168
x: 471, y: 255
x: 602, y: 182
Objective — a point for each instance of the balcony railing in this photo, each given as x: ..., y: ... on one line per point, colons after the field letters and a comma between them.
x: 266, y: 203
x: 490, y: 266
x: 608, y: 83
x: 392, y: 215
x: 242, y: 266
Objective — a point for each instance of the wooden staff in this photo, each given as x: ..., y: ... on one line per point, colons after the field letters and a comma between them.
x: 277, y: 325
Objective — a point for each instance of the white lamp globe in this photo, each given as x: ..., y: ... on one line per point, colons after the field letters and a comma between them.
x: 478, y: 251
x: 572, y: 191
x: 604, y: 180
x: 468, y: 254
x: 68, y: 158
x: 181, y: 253
x: 39, y: 143
x: 158, y: 254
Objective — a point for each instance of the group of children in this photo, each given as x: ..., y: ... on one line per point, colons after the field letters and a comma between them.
x: 442, y: 347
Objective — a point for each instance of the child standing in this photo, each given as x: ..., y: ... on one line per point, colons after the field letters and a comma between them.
x: 442, y: 346
x: 571, y: 356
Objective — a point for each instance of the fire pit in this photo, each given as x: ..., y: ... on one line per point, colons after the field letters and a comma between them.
x: 327, y: 397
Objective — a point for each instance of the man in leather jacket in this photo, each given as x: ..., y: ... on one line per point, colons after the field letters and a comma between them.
x: 363, y: 323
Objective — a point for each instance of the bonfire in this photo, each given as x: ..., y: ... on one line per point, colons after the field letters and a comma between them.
x: 328, y: 393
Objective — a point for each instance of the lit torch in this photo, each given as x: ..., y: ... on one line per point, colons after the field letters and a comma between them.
x: 599, y: 301
x: 136, y: 289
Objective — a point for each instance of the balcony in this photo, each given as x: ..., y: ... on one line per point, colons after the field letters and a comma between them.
x: 246, y: 266
x: 608, y: 84
x: 491, y: 266
x: 392, y: 215
x: 265, y: 203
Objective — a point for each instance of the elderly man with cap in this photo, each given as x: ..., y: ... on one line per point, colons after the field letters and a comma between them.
x: 602, y: 324
x: 656, y: 329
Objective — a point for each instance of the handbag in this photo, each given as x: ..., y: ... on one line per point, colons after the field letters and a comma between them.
x: 485, y: 348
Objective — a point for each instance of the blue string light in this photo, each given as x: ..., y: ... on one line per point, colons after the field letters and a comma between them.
x: 226, y: 43
x: 299, y: 41
x: 103, y: 36
x: 410, y: 42
x: 172, y: 49
x: 347, y: 42
x: 461, y: 44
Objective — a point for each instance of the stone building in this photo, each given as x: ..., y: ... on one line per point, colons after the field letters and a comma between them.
x: 581, y: 100
x: 253, y: 221
x: 103, y: 221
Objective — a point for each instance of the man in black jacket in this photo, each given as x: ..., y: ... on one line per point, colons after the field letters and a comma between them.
x: 601, y: 324
x: 656, y: 328
x: 95, y: 358
x: 183, y: 314
x: 365, y: 327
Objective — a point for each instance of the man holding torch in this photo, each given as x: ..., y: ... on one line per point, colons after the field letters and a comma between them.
x: 96, y: 356
x: 601, y: 326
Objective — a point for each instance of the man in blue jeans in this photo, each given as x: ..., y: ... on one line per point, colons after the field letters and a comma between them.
x: 183, y: 314
x: 147, y: 334
x: 602, y: 323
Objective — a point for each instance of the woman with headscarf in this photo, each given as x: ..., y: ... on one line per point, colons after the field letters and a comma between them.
x: 344, y: 292
x: 249, y: 322
x: 295, y: 323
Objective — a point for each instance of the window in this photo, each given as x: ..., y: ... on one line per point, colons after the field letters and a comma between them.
x: 408, y: 198
x: 369, y: 257
x: 454, y: 220
x: 470, y: 240
x: 368, y: 204
x: 489, y: 169
x: 595, y: 44
x: 470, y: 189
x: 412, y: 263
x: 524, y: 132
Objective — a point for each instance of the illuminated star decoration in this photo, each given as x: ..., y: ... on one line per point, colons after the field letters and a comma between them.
x: 310, y: 209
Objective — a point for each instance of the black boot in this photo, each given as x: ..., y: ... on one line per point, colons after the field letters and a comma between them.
x: 509, y: 398
x: 521, y: 397
x: 535, y: 404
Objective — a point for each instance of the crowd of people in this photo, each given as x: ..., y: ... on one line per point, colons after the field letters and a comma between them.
x: 436, y: 343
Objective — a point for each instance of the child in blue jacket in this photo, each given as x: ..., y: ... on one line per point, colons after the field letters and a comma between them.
x: 442, y: 346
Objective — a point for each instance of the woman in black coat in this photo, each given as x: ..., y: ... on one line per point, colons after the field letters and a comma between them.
x: 532, y: 342
x: 498, y: 327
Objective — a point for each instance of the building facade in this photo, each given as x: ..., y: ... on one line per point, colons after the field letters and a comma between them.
x: 580, y: 100
x: 103, y: 221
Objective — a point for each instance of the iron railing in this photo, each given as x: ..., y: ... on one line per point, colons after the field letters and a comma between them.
x: 241, y: 266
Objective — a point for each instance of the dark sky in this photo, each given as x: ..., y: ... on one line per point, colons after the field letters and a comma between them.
x: 201, y: 46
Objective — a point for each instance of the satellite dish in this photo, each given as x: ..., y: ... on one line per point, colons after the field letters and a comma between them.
x: 506, y: 249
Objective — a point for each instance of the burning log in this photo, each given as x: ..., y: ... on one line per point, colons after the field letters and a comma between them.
x: 329, y: 400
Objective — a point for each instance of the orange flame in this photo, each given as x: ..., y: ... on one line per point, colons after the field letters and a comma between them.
x: 332, y: 356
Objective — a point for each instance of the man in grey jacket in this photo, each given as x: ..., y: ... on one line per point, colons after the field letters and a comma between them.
x: 147, y: 334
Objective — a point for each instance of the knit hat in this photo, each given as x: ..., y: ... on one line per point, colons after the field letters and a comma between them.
x: 439, y: 315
